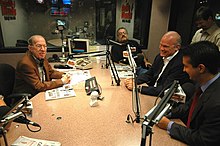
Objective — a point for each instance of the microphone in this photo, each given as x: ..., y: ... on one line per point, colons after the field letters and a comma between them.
x: 24, y: 120
x: 189, y: 89
x: 180, y: 94
x: 114, y: 42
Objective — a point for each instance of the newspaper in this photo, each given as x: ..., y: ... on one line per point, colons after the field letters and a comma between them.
x: 77, y: 76
x: 124, y: 71
x: 26, y: 141
x: 61, y: 92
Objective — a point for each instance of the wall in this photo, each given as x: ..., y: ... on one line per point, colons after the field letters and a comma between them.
x: 158, y: 26
x: 15, y: 29
x: 119, y: 23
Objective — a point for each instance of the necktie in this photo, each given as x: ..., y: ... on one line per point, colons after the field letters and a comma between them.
x: 193, y: 105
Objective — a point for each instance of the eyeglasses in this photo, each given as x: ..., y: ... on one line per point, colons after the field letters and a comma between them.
x: 122, y: 33
x: 39, y: 46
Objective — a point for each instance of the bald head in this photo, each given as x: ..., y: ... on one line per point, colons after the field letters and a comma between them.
x: 170, y: 43
x: 33, y: 39
x: 173, y: 37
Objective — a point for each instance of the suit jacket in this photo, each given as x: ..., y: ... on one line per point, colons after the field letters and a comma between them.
x: 173, y: 71
x: 205, y: 122
x: 28, y: 77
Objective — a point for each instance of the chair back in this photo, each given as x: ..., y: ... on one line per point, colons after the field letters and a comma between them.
x: 7, y: 79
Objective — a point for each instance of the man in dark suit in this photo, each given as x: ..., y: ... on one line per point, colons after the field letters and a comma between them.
x: 166, y: 68
x: 34, y: 73
x: 202, y: 62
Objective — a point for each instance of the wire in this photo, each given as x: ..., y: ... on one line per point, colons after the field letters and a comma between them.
x: 28, y: 127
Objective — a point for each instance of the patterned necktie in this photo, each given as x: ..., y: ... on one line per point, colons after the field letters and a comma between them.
x: 193, y: 105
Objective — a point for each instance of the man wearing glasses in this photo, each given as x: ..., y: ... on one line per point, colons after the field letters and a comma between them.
x: 118, y: 52
x: 34, y: 74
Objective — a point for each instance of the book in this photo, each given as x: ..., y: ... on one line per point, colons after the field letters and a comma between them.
x: 61, y: 92
x: 26, y: 141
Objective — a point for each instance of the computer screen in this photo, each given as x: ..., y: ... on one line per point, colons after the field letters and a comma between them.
x: 67, y: 2
x: 78, y: 45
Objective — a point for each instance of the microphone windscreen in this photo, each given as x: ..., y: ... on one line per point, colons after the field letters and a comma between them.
x: 4, y: 110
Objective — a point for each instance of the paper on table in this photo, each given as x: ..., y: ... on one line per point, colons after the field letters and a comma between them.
x: 26, y: 141
x: 61, y: 92
x: 77, y: 76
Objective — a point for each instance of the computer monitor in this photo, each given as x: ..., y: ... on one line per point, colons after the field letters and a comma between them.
x: 78, y: 45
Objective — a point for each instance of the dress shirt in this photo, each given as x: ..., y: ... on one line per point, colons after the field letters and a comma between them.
x: 212, y: 34
x: 166, y: 60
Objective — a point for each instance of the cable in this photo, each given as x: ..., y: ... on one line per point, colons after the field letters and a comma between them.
x: 27, y: 122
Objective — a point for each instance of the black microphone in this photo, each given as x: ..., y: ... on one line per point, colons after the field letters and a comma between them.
x: 189, y: 89
x: 114, y: 42
x: 24, y: 120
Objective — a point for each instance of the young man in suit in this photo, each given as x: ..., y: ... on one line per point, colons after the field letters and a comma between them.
x: 202, y: 62
x: 166, y: 68
x: 34, y: 74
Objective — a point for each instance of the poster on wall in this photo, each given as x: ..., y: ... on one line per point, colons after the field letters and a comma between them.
x: 126, y: 11
x: 8, y: 9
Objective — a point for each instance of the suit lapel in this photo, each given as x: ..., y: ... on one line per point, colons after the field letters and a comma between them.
x: 204, y: 97
x: 33, y: 62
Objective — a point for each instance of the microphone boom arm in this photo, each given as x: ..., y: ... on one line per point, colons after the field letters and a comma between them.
x: 135, y: 95
x: 157, y: 112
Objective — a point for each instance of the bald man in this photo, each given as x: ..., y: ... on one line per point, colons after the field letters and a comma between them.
x: 166, y: 68
x: 34, y: 74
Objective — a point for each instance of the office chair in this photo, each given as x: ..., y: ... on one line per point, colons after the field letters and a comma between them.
x: 7, y: 79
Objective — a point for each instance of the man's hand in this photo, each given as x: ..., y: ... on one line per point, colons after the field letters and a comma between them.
x: 66, y: 79
x: 163, y: 123
x: 129, y: 83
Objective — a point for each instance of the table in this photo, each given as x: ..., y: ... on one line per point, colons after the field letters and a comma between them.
x: 73, y: 122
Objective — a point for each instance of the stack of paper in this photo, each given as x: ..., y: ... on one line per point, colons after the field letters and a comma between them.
x: 61, y: 92
x: 26, y: 141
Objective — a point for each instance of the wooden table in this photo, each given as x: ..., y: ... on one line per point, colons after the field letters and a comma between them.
x: 73, y: 122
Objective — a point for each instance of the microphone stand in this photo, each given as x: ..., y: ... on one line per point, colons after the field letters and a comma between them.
x: 5, y: 122
x: 111, y: 63
x: 3, y: 133
x: 63, y: 49
x: 14, y: 113
x: 156, y: 113
x: 135, y: 95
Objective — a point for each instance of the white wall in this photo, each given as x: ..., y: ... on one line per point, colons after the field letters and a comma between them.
x: 14, y: 29
x: 158, y: 25
x: 119, y: 23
